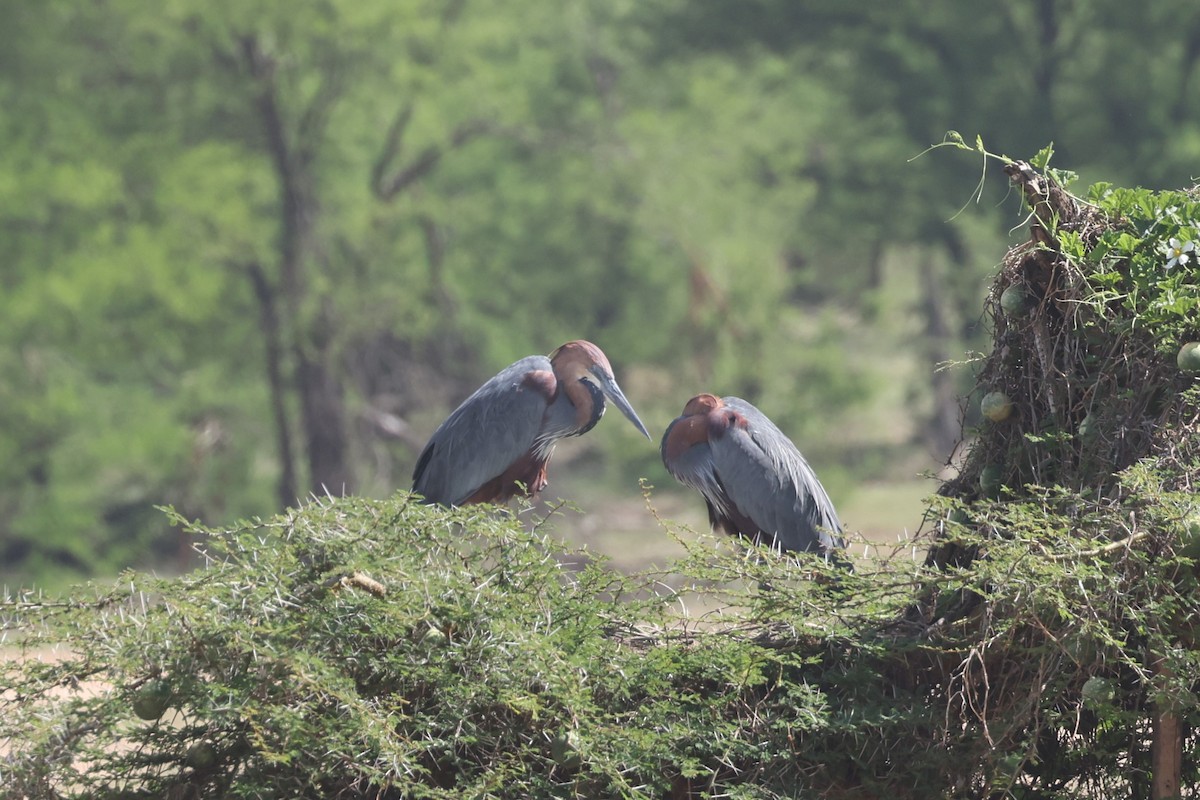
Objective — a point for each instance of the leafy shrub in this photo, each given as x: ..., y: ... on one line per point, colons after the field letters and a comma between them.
x: 362, y: 648
x: 384, y: 649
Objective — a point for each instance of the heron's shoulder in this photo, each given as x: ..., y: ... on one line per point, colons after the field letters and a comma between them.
x: 516, y: 371
x: 530, y: 363
x: 531, y: 371
x: 749, y: 411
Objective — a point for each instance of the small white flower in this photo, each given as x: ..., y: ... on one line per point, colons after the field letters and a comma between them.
x: 1179, y: 253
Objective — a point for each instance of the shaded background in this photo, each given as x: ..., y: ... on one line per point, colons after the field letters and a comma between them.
x: 250, y: 250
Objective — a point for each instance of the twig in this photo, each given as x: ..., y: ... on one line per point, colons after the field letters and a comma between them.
x: 1108, y: 548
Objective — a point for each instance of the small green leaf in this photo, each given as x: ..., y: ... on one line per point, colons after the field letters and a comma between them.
x: 1042, y: 159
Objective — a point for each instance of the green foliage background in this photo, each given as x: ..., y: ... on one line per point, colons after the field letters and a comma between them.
x: 719, y: 193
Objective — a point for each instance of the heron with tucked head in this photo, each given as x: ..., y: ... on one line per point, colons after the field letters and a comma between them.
x: 752, y: 477
x: 498, y: 443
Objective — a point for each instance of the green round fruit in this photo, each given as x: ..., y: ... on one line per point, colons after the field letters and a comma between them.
x: 1081, y: 648
x: 201, y: 755
x: 564, y: 749
x: 996, y: 406
x: 1015, y: 301
x: 1087, y: 429
x: 990, y: 480
x: 152, y: 699
x: 1189, y: 536
x: 109, y: 793
x: 1189, y: 357
x: 1098, y: 692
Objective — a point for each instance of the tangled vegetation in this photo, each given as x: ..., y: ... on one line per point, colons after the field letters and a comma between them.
x: 1045, y: 649
x: 1085, y: 471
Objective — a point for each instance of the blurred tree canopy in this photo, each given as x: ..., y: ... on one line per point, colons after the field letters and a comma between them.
x: 252, y: 250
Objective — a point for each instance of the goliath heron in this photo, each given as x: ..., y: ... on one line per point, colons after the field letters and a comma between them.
x: 498, y: 442
x: 753, y: 479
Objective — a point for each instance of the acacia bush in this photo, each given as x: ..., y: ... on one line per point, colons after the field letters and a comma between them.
x: 385, y: 649
x: 1091, y: 473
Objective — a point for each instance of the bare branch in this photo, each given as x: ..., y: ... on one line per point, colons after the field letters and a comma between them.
x: 391, y: 147
x: 314, y: 120
x: 424, y: 163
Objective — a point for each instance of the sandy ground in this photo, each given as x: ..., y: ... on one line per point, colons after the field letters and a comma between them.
x: 46, y: 655
x: 627, y: 533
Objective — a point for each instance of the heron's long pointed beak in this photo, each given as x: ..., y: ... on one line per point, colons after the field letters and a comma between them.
x: 608, y: 385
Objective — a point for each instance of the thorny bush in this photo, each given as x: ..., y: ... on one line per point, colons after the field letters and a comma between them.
x: 385, y: 649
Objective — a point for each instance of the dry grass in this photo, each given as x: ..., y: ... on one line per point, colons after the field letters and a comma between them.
x: 624, y: 529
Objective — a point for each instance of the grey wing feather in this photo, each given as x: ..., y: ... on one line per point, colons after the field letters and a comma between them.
x: 766, y: 476
x: 490, y: 430
x: 694, y: 469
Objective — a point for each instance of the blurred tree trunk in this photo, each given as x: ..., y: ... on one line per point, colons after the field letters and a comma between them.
x: 1167, y: 755
x: 323, y: 411
x: 1166, y: 748
x: 272, y: 336
x: 322, y: 405
x: 944, y: 426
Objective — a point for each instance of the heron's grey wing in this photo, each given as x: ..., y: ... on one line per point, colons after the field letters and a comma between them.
x: 694, y: 468
x: 772, y: 484
x: 490, y: 430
